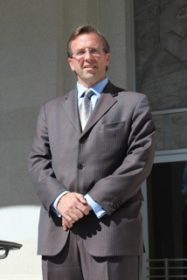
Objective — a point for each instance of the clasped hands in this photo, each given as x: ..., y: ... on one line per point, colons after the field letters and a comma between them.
x: 73, y: 207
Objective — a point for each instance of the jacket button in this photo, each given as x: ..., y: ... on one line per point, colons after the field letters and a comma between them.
x: 80, y: 166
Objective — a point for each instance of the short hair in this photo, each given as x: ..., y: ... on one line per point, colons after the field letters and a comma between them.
x: 86, y: 29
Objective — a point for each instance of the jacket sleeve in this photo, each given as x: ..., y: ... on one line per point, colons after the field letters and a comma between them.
x: 40, y: 164
x: 124, y: 183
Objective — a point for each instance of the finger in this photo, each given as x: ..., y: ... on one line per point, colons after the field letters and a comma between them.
x: 81, y: 198
x: 85, y: 209
x: 66, y: 224
x: 65, y: 227
x: 69, y: 202
x: 79, y: 213
x: 73, y: 216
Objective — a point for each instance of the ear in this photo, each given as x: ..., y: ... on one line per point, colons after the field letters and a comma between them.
x: 108, y: 58
x: 71, y: 63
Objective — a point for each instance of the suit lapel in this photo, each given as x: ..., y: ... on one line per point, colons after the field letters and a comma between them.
x: 71, y: 109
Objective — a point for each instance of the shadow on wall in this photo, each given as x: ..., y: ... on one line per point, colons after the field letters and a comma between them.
x: 20, y: 224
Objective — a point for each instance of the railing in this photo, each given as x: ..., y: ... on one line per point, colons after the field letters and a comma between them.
x: 6, y: 246
x: 166, y: 269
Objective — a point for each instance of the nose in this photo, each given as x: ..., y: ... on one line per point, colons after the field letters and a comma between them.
x: 88, y: 54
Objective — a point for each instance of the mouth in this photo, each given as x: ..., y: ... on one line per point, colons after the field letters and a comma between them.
x: 89, y: 67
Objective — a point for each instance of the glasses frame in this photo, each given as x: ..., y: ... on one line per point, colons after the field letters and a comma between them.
x: 94, y: 52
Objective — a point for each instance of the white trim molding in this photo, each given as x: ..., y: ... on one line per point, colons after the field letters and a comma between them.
x: 169, y: 111
x: 170, y: 155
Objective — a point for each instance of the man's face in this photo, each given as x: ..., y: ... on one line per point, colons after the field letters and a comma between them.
x: 88, y: 60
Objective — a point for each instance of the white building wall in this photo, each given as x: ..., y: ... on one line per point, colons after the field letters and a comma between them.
x: 28, y: 43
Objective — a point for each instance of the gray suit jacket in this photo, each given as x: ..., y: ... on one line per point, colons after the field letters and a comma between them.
x: 109, y: 160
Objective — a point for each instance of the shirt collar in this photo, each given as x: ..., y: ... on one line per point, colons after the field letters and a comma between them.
x: 97, y: 88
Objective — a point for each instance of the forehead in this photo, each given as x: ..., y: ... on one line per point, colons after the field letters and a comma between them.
x: 86, y: 40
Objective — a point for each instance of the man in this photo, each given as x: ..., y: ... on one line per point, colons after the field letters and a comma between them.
x: 88, y: 173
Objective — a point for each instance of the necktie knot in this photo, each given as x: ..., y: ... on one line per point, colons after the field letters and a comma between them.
x: 88, y: 94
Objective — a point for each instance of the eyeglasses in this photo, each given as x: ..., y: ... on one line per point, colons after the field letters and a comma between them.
x: 92, y: 52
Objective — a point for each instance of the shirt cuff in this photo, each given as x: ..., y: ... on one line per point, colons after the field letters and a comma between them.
x: 55, y: 204
x: 96, y: 207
